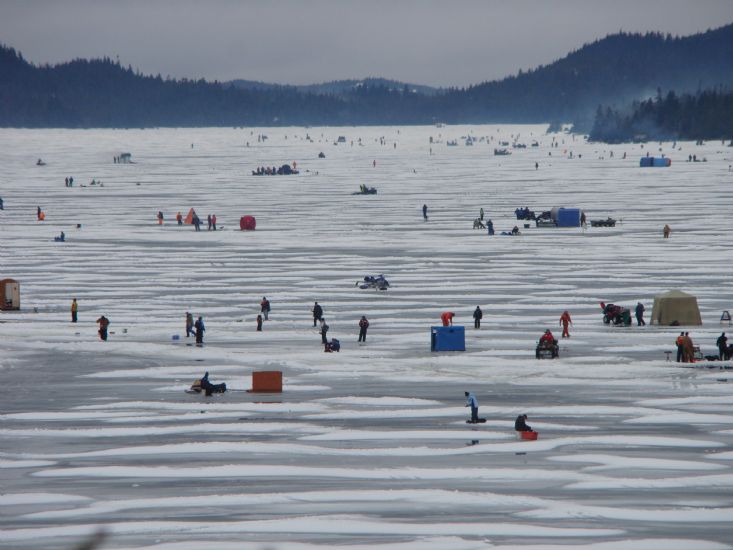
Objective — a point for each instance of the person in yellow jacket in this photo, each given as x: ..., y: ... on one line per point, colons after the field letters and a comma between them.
x: 74, y: 309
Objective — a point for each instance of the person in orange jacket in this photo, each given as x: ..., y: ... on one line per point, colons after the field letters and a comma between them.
x: 565, y: 320
x: 680, y: 342
x: 447, y: 318
x: 179, y: 218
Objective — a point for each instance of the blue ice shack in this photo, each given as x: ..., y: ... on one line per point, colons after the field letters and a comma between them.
x: 655, y: 161
x: 447, y: 339
x: 568, y: 217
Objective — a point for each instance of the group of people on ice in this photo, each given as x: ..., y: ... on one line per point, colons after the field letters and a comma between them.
x: 195, y: 220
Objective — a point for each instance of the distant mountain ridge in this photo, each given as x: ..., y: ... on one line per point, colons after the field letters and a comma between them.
x: 611, y: 71
x: 337, y: 87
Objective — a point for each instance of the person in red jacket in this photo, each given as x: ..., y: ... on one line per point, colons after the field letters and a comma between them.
x: 447, y: 318
x: 213, y: 222
x: 547, y: 337
x: 565, y: 320
x: 363, y: 326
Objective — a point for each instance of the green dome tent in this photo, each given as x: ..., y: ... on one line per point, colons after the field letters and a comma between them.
x: 675, y: 308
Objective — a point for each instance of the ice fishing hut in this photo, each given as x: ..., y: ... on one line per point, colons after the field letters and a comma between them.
x: 662, y: 162
x: 125, y: 158
x: 447, y: 338
x: 10, y: 294
x: 566, y: 217
x: 675, y: 308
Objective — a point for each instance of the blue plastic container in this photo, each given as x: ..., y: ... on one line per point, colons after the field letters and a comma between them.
x: 447, y: 339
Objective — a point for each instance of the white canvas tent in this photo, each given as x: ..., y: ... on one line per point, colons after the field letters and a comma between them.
x: 675, y: 308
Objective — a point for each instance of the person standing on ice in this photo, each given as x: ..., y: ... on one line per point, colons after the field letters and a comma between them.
x: 490, y: 227
x: 565, y: 320
x: 74, y: 309
x: 472, y: 402
x: 200, y: 329
x: 259, y: 323
x: 688, y: 349
x: 324, y: 331
x: 639, y: 314
x: 103, y: 324
x: 363, y: 326
x: 189, y: 325
x: 722, y: 343
x: 317, y: 313
x: 481, y: 214
x: 679, y: 342
x: 213, y: 222
x: 208, y: 221
x: 666, y: 230
x: 425, y: 212
x: 477, y: 316
x: 179, y: 218
x: 160, y: 217
x: 265, y: 308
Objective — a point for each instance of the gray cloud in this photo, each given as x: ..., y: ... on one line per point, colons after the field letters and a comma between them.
x: 288, y: 41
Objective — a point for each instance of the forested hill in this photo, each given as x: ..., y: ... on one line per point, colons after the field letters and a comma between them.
x: 340, y: 87
x: 705, y: 115
x: 611, y: 71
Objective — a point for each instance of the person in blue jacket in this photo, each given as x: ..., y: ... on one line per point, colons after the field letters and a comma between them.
x: 473, y: 403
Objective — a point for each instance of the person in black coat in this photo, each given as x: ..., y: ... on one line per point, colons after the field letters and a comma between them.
x: 520, y: 424
x: 363, y: 326
x: 317, y: 313
x: 640, y: 314
x: 200, y: 329
x: 722, y: 343
x: 477, y: 316
x: 324, y: 331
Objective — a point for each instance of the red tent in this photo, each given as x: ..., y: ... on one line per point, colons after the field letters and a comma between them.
x: 247, y: 223
x: 189, y: 218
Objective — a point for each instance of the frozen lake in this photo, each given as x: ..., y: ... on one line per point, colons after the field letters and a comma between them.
x: 366, y: 448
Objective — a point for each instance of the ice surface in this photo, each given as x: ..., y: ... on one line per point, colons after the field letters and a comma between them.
x: 366, y: 448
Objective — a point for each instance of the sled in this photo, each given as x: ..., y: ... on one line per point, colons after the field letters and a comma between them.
x: 480, y: 421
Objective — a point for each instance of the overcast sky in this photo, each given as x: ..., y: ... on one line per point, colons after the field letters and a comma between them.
x: 443, y: 43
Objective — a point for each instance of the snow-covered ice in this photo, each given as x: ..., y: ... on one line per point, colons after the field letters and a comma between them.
x: 366, y: 448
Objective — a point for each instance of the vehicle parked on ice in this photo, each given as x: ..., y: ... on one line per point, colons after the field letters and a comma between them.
x: 617, y: 315
x: 370, y: 281
x: 364, y: 190
x: 547, y: 347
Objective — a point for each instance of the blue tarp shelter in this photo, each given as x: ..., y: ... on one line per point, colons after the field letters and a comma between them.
x: 655, y: 161
x: 447, y: 338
